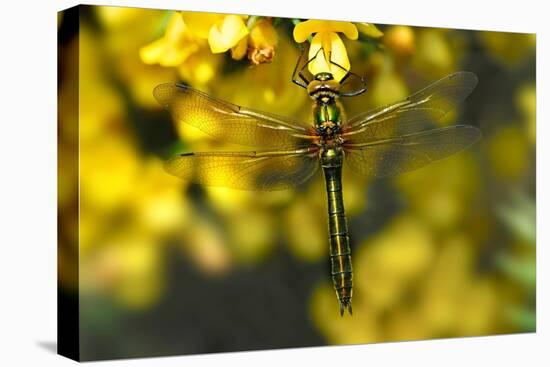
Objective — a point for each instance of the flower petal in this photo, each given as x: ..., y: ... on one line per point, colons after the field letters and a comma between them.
x: 262, y: 41
x: 174, y: 47
x: 304, y: 29
x: 263, y: 34
x: 200, y: 68
x: 200, y: 23
x: 232, y: 30
x: 348, y: 28
x: 338, y: 55
x: 239, y: 51
x: 151, y: 53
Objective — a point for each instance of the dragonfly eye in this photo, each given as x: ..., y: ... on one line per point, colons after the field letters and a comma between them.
x: 324, y: 77
x: 324, y: 90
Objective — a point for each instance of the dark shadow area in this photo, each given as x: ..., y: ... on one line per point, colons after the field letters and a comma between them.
x: 253, y: 308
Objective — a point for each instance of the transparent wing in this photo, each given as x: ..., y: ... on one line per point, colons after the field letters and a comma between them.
x: 246, y: 170
x: 409, y: 152
x: 228, y: 122
x: 416, y: 113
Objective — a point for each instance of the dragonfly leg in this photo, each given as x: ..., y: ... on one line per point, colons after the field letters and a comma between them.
x: 295, y: 80
x: 345, y: 79
x: 301, y: 71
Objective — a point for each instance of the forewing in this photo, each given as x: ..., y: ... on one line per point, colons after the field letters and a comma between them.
x: 413, y: 114
x: 228, y: 122
x: 245, y: 170
x: 409, y: 152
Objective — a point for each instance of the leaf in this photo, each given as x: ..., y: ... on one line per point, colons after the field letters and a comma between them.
x: 522, y: 270
x: 520, y: 217
x: 369, y: 30
x: 525, y: 318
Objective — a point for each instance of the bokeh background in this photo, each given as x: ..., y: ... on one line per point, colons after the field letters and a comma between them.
x: 168, y: 267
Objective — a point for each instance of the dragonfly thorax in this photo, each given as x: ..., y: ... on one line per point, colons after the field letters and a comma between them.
x: 328, y: 130
x: 329, y: 135
x: 328, y: 123
x: 324, y: 113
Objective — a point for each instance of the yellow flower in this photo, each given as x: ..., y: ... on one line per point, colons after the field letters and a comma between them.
x: 391, y: 260
x: 128, y: 266
x: 310, y: 245
x: 109, y: 169
x: 240, y: 49
x: 116, y: 18
x: 156, y: 199
x: 177, y: 44
x: 400, y: 39
x: 326, y: 37
x: 263, y: 39
x: 251, y: 233
x: 223, y: 32
x: 526, y: 101
x: 206, y: 246
x: 388, y: 87
x: 124, y: 36
x: 434, y: 53
x: 272, y: 93
x: 185, y: 49
x: 200, y: 68
x: 508, y: 152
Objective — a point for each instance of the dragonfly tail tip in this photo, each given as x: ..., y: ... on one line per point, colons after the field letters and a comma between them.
x: 345, y: 305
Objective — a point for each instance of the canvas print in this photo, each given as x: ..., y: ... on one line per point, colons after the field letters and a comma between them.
x: 231, y: 182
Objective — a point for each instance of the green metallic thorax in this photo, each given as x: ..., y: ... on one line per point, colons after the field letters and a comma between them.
x: 327, y: 118
x: 330, y: 112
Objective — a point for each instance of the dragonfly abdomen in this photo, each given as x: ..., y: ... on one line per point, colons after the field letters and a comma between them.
x: 340, y: 252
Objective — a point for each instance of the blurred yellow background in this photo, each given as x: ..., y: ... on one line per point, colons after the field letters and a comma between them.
x: 166, y: 267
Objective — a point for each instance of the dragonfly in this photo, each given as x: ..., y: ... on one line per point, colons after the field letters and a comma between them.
x: 381, y: 142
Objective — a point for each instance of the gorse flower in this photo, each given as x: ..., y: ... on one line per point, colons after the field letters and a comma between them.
x: 190, y: 33
x: 223, y: 32
x: 183, y: 49
x: 262, y: 41
x: 326, y: 37
x: 173, y: 49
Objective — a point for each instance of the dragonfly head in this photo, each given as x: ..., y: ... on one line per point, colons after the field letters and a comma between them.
x: 324, y: 88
